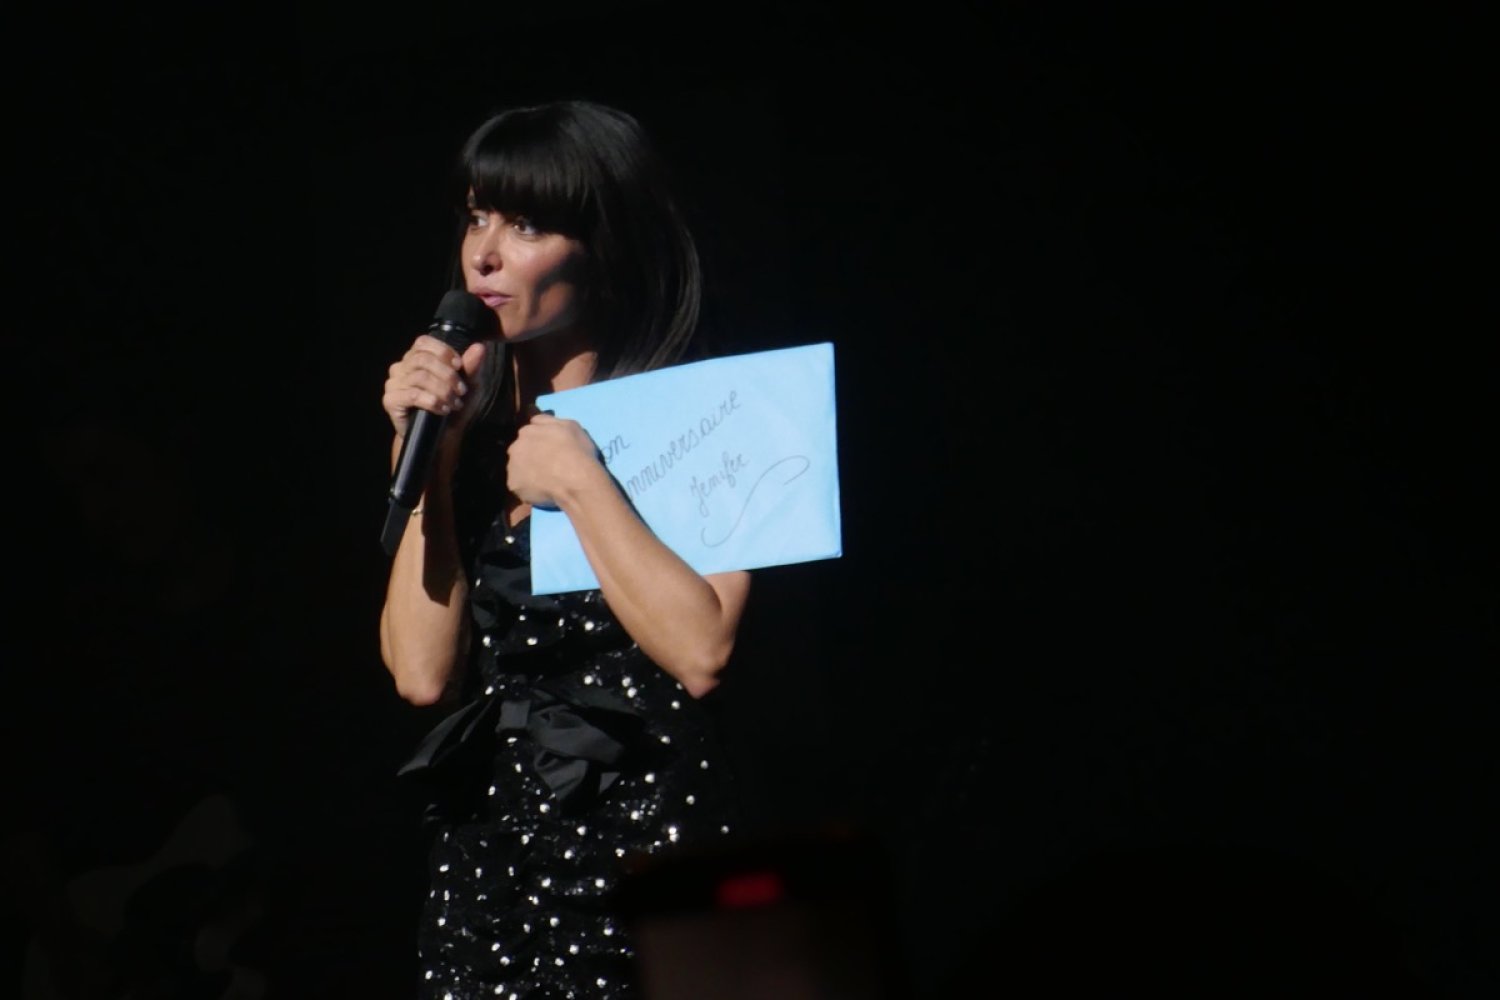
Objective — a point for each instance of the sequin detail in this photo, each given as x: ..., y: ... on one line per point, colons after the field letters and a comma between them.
x: 522, y: 881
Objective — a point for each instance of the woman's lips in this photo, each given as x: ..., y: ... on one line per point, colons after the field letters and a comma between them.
x: 493, y: 299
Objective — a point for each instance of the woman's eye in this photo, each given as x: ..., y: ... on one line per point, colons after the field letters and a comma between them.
x: 476, y: 220
x: 524, y: 227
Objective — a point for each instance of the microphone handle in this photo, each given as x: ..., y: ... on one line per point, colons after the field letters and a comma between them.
x: 418, y: 448
x: 414, y: 464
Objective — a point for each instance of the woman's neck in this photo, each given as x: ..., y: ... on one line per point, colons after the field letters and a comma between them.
x: 551, y: 363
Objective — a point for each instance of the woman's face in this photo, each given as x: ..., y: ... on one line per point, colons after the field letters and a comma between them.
x: 531, y: 279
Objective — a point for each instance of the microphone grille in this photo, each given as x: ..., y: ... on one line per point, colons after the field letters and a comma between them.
x: 462, y: 316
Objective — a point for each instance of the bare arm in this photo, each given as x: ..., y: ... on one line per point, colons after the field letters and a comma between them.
x: 424, y: 623
x: 423, y: 633
x: 684, y: 621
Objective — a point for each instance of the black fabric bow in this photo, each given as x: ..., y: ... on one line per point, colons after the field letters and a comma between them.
x: 580, y: 738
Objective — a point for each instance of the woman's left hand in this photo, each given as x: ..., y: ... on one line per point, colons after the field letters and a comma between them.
x: 549, y: 457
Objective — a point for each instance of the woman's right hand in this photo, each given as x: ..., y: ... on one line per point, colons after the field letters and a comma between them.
x: 432, y: 376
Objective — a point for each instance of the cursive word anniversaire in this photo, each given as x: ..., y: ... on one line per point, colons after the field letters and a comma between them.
x: 681, y: 446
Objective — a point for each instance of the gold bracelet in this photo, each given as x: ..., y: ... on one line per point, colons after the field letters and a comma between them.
x: 416, y: 510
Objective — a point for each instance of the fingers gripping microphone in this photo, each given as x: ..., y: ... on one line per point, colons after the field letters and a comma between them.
x: 460, y: 320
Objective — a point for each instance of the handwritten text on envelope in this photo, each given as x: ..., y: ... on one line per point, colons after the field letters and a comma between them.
x: 732, y: 462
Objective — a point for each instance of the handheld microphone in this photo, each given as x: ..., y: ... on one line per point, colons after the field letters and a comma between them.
x: 460, y: 320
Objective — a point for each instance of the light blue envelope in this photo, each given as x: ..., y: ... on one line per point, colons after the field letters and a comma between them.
x: 732, y: 462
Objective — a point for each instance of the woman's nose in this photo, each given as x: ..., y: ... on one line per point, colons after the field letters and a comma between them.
x: 487, y: 252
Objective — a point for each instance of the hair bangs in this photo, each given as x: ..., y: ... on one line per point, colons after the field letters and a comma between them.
x: 520, y: 166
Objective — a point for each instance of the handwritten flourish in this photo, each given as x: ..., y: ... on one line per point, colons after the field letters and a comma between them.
x: 806, y: 464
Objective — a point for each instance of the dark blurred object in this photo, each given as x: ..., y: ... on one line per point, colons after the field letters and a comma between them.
x: 798, y: 917
x: 182, y: 924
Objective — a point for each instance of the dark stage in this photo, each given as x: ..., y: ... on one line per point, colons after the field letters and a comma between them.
x: 1161, y: 656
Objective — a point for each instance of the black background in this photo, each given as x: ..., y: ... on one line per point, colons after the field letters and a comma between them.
x: 1164, y: 631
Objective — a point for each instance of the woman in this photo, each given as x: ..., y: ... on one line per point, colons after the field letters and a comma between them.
x: 580, y: 741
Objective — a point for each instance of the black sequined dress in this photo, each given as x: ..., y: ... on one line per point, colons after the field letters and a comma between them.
x: 574, y: 752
